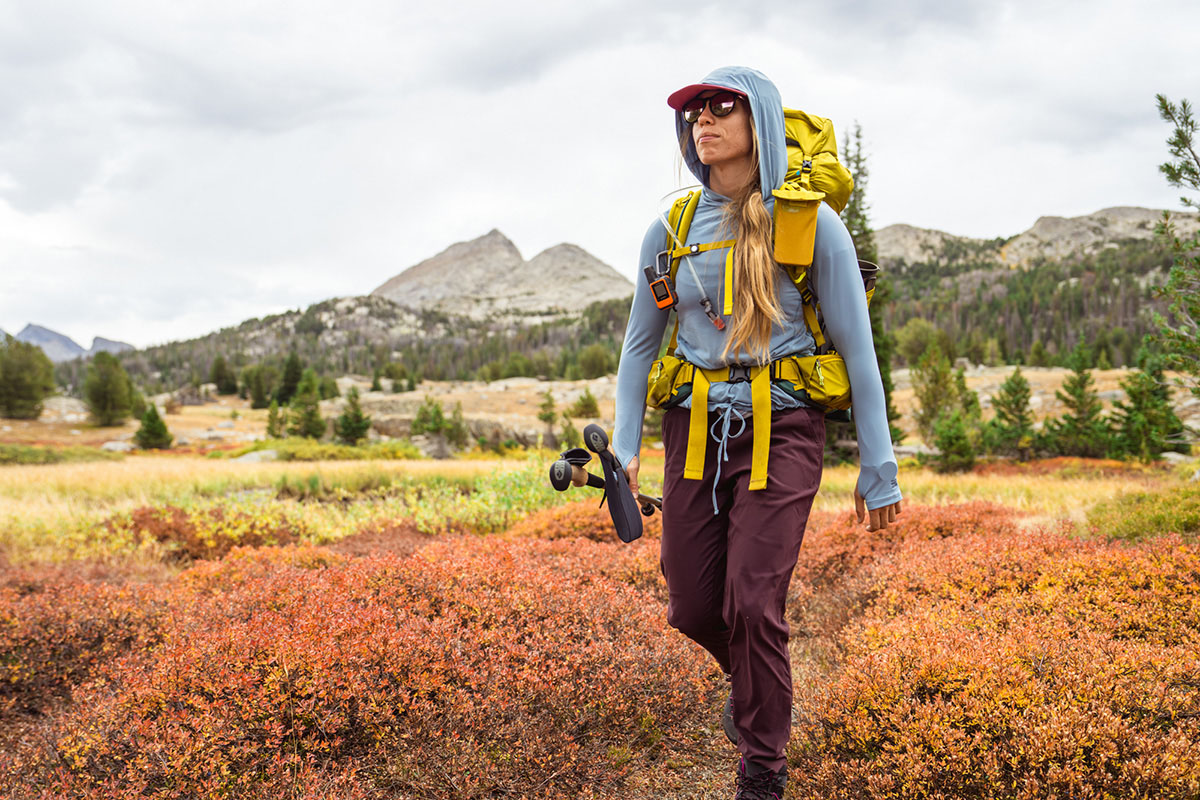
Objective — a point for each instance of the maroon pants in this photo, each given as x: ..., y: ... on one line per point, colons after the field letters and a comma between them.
x: 728, y: 573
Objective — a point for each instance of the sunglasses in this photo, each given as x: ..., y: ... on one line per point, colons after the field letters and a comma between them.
x: 720, y: 104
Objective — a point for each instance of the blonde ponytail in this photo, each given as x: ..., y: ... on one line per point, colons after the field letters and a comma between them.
x: 756, y: 294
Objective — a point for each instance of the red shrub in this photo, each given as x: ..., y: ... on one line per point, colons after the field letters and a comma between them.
x: 56, y: 630
x: 471, y: 669
x: 1015, y: 666
x: 583, y: 520
x: 205, y: 533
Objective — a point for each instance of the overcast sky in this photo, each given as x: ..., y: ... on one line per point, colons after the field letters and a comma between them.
x: 170, y: 168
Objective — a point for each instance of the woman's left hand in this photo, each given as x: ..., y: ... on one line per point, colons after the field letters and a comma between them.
x: 879, y: 517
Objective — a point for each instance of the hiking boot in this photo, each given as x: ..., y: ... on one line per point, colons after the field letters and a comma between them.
x: 757, y: 783
x: 727, y: 721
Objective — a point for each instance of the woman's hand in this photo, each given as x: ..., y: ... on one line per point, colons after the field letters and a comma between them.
x: 878, y: 517
x: 631, y: 469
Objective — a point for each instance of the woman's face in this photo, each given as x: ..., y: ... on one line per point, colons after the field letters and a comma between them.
x: 722, y: 139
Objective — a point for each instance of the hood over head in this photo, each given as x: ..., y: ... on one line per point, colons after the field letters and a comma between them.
x: 766, y: 108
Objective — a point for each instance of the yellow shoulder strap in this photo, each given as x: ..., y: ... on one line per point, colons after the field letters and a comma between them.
x: 680, y: 220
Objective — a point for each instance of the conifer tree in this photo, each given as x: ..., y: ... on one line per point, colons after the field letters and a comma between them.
x: 293, y: 371
x: 456, y: 428
x: 1179, y: 334
x: 352, y: 426
x: 26, y: 379
x: 106, y: 390
x: 547, y: 414
x: 305, y: 415
x: 1145, y: 424
x: 1081, y: 431
x: 153, y: 434
x: 571, y: 437
x: 1012, y: 427
x: 586, y: 406
x: 258, y: 389
x: 952, y: 438
x: 933, y: 384
x: 376, y: 385
x: 276, y: 421
x: 430, y: 417
x: 223, y: 376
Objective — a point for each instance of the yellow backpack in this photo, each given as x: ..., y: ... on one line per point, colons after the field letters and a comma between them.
x: 814, y: 175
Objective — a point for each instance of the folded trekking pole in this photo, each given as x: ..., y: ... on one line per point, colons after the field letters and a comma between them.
x: 615, y: 483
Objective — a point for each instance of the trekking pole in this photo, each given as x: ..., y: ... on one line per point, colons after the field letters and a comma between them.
x: 566, y: 471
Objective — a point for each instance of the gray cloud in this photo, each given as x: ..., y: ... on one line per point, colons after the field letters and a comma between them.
x: 166, y: 169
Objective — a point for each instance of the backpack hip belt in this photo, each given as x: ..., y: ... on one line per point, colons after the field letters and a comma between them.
x: 820, y: 381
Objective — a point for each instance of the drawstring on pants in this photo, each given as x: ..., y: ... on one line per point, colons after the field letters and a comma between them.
x: 724, y: 422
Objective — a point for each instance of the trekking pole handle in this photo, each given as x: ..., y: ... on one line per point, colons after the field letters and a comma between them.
x: 564, y: 473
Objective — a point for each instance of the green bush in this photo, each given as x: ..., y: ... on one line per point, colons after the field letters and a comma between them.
x: 11, y: 454
x: 153, y: 435
x: 301, y: 449
x: 1139, y: 515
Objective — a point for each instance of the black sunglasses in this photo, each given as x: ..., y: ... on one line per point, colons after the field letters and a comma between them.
x: 721, y: 104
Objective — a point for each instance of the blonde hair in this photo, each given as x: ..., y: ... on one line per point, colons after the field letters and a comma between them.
x: 756, y: 294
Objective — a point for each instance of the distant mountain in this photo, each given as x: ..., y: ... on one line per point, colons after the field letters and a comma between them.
x: 1050, y: 239
x: 58, y: 347
x: 1065, y: 280
x: 102, y: 345
x: 487, y: 279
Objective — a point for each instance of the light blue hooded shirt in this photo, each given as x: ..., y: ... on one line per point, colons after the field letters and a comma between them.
x: 838, y: 285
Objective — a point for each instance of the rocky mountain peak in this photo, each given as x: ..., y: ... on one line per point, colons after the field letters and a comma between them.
x: 492, y: 280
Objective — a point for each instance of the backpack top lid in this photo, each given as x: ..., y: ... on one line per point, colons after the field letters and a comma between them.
x: 813, y: 169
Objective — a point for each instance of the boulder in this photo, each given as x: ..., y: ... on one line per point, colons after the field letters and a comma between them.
x: 117, y: 447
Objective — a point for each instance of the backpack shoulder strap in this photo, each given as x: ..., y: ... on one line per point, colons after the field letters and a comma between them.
x: 680, y: 220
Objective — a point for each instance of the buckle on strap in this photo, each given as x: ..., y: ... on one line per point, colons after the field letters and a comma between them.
x: 738, y: 373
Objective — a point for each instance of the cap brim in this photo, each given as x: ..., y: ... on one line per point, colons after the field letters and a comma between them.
x: 678, y: 98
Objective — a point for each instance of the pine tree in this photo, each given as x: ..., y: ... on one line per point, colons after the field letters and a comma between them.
x: 456, y: 428
x: 106, y: 390
x: 1179, y: 334
x: 548, y: 415
x: 153, y: 434
x: 430, y: 417
x: 258, y: 389
x: 353, y: 424
x: 1081, y: 431
x: 223, y: 376
x: 293, y: 371
x: 952, y: 438
x: 585, y: 407
x: 1038, y: 357
x: 1145, y: 424
x: 571, y: 437
x: 26, y: 379
x: 305, y: 415
x: 276, y: 421
x: 933, y: 384
x: 376, y: 385
x: 1013, y: 424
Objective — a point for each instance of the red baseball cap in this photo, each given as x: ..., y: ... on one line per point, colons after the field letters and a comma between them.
x: 677, y: 99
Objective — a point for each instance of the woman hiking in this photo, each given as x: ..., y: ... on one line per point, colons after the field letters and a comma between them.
x: 730, y: 542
